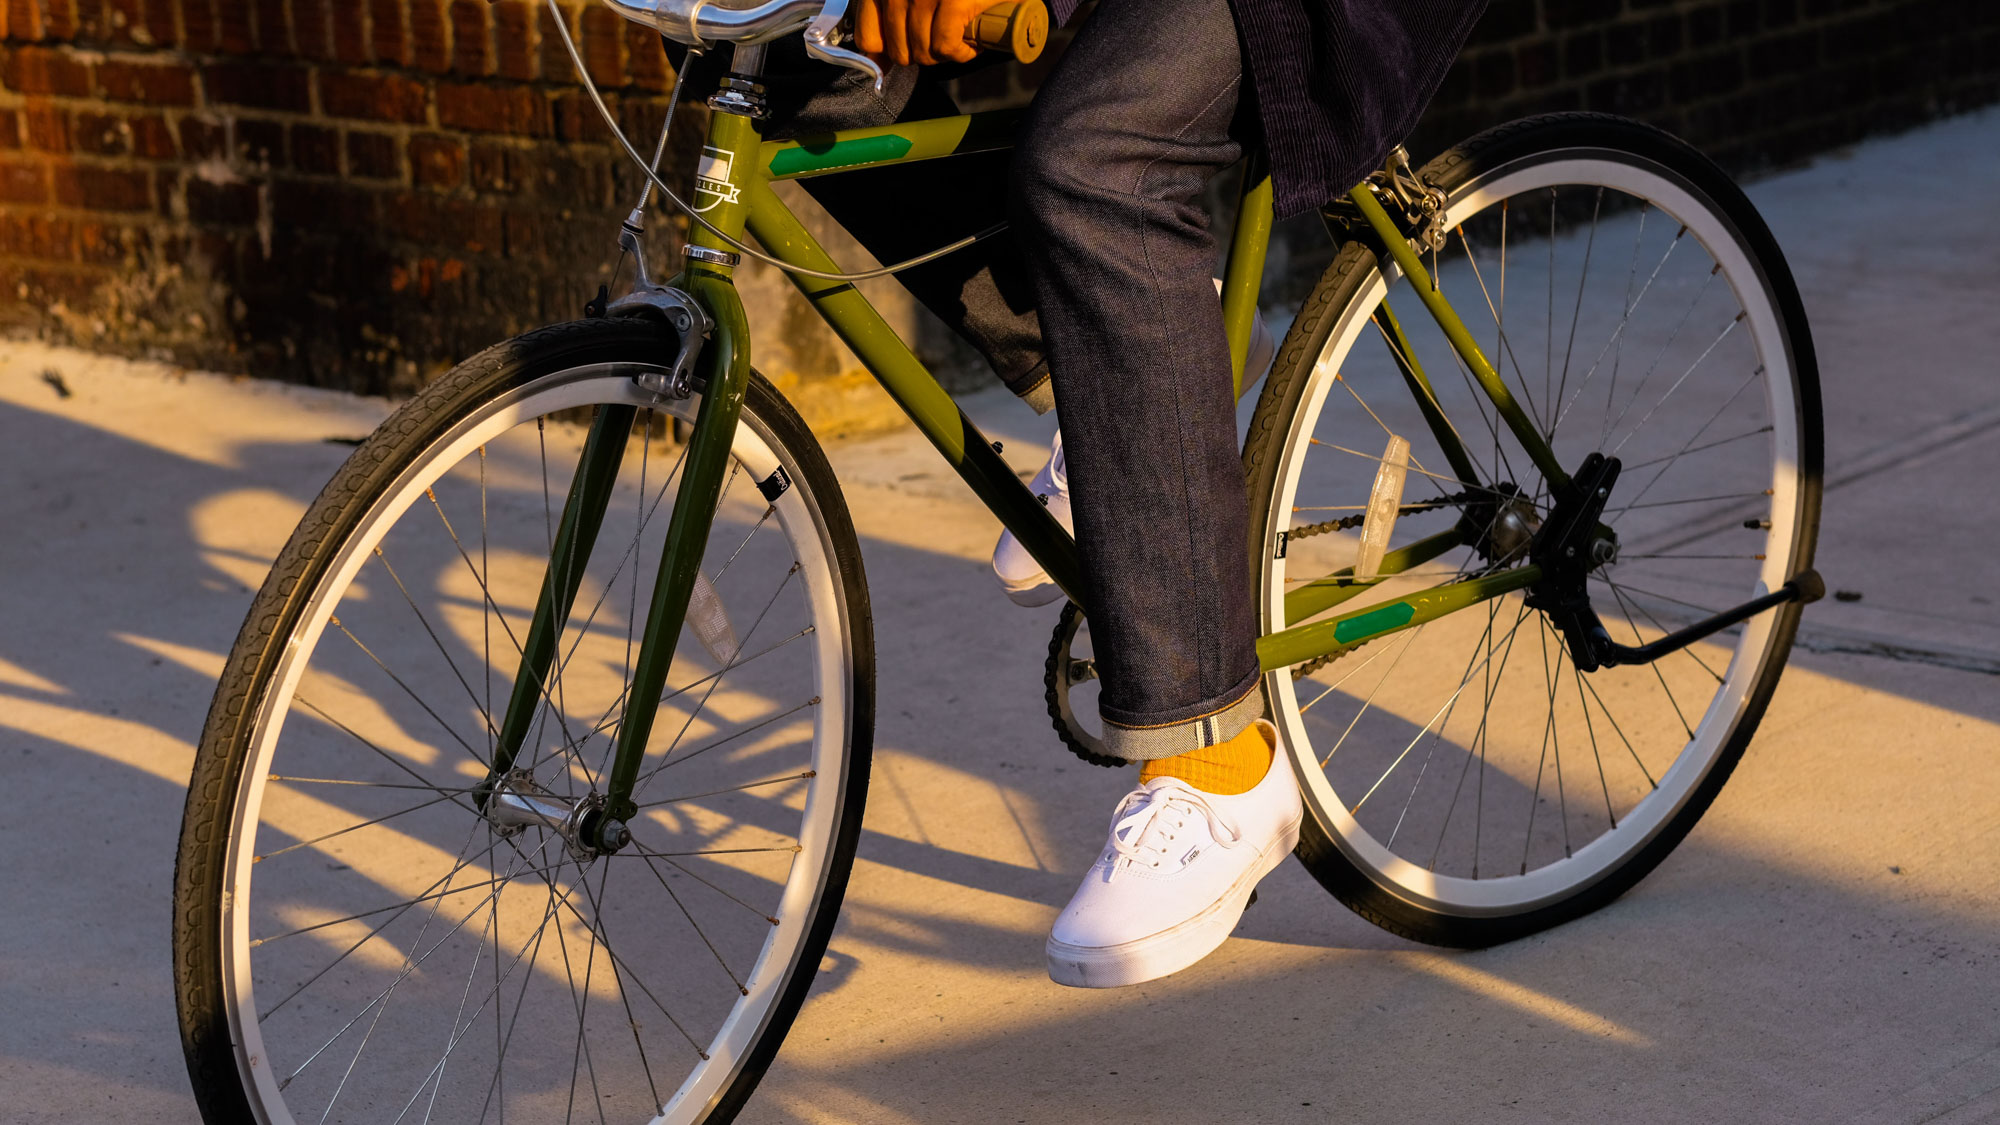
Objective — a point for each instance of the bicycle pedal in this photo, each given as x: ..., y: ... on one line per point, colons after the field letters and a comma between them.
x: 1385, y: 501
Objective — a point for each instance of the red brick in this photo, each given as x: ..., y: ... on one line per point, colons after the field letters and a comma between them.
x: 321, y: 205
x: 311, y: 30
x: 201, y: 139
x: 59, y: 18
x: 316, y: 150
x: 439, y: 221
x: 125, y: 22
x: 430, y: 45
x: 563, y: 178
x: 260, y: 142
x: 556, y: 65
x: 493, y: 109
x: 603, y: 45
x: 151, y: 138
x: 525, y: 234
x: 159, y: 25
x: 285, y: 88
x: 471, y: 38
x: 489, y: 168
x: 97, y: 22
x: 437, y: 162
x: 350, y: 33
x: 199, y: 30
x: 103, y: 189
x: 228, y: 203
x: 274, y: 28
x: 123, y: 80
x: 101, y: 134
x: 371, y: 97
x: 45, y: 285
x: 44, y: 70
x: 234, y: 28
x: 514, y: 34
x: 99, y: 244
x: 48, y: 129
x: 385, y: 24
x: 373, y: 156
x: 37, y: 236
x: 577, y: 119
x: 24, y: 20
x: 647, y: 59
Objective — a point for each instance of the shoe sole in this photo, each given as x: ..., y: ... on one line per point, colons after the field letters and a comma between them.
x: 1170, y: 950
x: 1039, y: 592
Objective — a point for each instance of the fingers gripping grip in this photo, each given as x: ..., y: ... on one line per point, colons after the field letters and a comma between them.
x: 1018, y: 27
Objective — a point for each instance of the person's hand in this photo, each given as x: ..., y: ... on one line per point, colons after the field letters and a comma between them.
x: 916, y: 31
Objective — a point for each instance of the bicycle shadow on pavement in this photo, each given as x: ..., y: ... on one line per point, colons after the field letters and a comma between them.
x: 1773, y: 948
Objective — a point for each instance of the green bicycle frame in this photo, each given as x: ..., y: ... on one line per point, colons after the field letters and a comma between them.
x: 736, y: 196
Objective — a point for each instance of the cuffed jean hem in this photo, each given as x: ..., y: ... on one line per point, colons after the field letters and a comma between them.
x: 1146, y: 742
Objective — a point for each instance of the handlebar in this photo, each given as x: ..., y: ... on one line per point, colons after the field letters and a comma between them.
x: 1018, y: 27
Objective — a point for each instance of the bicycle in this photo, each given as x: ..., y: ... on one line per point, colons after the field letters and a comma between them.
x: 380, y: 848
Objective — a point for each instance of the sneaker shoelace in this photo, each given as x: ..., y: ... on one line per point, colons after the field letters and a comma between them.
x: 1148, y: 818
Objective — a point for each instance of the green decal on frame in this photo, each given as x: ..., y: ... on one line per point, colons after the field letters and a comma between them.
x: 1373, y: 622
x: 862, y: 150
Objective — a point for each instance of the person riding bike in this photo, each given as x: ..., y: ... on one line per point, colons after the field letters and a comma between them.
x: 1097, y: 302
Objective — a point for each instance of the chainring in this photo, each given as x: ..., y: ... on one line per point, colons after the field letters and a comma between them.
x: 1064, y: 671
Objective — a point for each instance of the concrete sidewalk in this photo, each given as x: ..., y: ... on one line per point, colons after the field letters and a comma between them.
x: 1824, y: 948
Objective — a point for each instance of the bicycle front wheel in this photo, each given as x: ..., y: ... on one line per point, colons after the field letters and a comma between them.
x: 359, y: 936
x: 1467, y: 783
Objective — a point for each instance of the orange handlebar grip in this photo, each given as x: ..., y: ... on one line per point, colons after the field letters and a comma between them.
x: 1018, y: 27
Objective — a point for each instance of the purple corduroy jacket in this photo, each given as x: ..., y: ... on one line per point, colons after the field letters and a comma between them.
x: 1339, y: 82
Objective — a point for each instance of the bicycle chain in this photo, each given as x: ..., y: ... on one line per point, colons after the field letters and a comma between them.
x: 1346, y: 523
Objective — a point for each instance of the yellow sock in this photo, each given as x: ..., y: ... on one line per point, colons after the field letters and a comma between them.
x: 1225, y: 769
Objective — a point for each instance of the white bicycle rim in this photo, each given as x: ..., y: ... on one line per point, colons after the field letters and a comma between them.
x: 1515, y: 894
x: 775, y: 966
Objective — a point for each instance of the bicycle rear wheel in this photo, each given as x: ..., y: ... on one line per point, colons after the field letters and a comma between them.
x: 1467, y: 784
x: 356, y: 940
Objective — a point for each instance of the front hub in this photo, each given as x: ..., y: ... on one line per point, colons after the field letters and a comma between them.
x: 519, y: 802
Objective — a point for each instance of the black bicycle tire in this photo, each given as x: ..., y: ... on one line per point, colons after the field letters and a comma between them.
x: 280, y: 603
x: 1341, y: 284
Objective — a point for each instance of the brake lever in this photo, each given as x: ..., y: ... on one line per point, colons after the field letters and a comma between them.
x: 819, y: 36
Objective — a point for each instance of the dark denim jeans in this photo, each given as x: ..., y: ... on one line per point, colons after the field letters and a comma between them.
x: 1111, y: 245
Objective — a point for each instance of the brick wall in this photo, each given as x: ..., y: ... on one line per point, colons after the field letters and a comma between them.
x: 1754, y: 83
x: 356, y: 193
x: 346, y: 192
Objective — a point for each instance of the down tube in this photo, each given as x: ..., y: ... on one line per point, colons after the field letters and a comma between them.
x: 904, y: 376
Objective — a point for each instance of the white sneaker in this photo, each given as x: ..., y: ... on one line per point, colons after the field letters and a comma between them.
x: 1021, y: 577
x: 1174, y: 877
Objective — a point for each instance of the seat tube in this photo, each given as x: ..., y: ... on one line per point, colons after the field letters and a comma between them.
x: 1243, y: 277
x: 728, y: 165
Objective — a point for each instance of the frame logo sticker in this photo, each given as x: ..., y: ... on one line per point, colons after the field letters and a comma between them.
x: 712, y: 177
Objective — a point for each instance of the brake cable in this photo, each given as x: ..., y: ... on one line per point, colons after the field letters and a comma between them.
x: 654, y: 182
